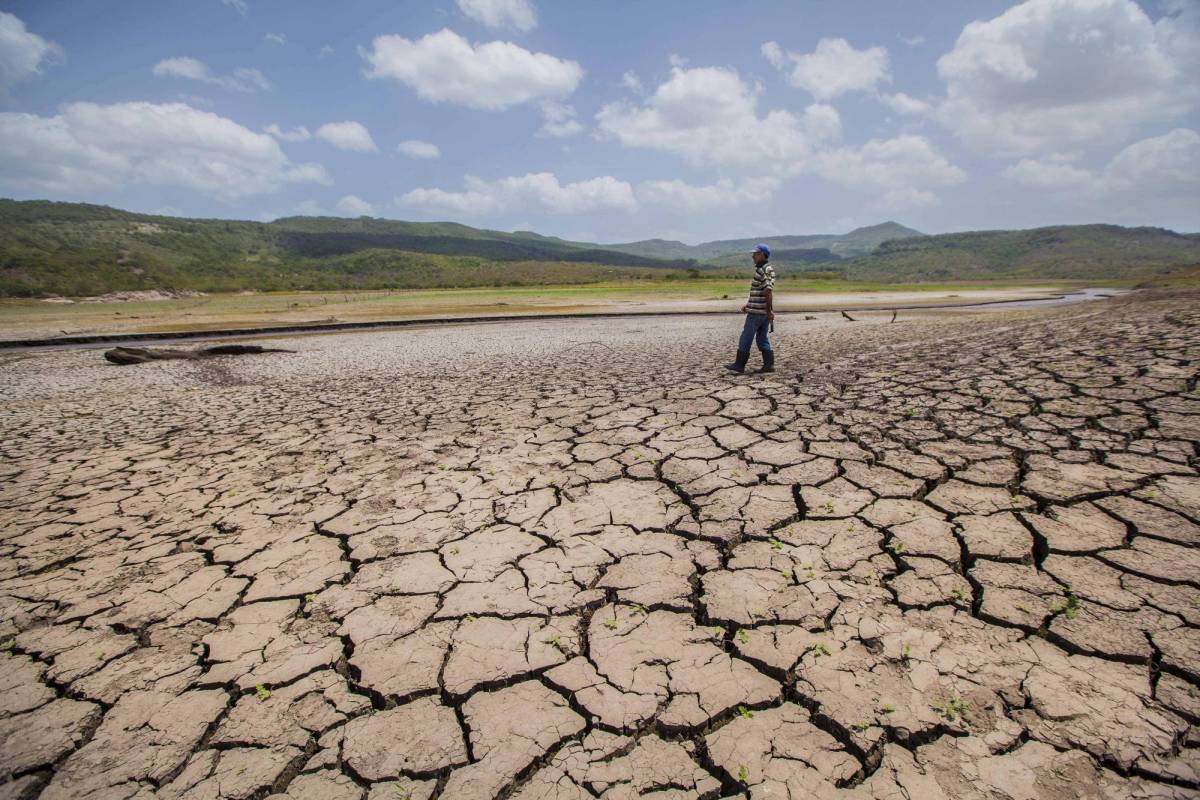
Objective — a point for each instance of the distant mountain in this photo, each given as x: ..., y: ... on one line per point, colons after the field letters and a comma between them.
x: 857, y: 242
x: 1090, y: 252
x: 80, y: 249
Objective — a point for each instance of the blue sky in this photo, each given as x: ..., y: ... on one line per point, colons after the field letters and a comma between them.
x: 611, y: 121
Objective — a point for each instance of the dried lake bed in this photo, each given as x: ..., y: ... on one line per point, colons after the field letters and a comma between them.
x: 957, y: 556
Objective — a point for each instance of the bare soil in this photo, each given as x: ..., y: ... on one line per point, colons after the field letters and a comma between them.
x: 953, y: 557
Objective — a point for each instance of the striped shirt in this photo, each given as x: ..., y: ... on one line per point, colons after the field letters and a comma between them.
x: 763, y: 282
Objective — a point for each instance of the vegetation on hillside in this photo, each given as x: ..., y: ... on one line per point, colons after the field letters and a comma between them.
x: 1090, y: 252
x: 77, y: 249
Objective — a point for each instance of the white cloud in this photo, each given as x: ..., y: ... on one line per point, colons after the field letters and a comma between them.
x: 243, y: 79
x: 1051, y: 174
x: 239, y: 6
x: 904, y: 104
x: 709, y: 116
x: 1048, y: 75
x: 348, y: 135
x: 1157, y: 168
x: 296, y: 134
x: 518, y: 14
x: 275, y: 38
x: 558, y: 120
x: 533, y: 192
x: 325, y: 51
x: 834, y: 68
x: 901, y: 172
x: 677, y: 60
x: 684, y: 196
x: 773, y: 53
x: 630, y: 80
x: 911, y: 41
x: 22, y: 52
x: 444, y: 66
x: 355, y: 206
x: 415, y: 148
x: 88, y: 148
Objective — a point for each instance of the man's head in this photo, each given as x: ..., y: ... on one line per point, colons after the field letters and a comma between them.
x: 760, y: 254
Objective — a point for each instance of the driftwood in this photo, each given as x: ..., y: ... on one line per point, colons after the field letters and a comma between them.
x: 137, y: 355
x: 847, y: 316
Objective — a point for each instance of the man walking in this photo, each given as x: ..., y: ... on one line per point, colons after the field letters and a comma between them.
x: 760, y: 313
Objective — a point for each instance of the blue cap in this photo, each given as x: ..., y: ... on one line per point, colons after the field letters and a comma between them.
x: 762, y: 248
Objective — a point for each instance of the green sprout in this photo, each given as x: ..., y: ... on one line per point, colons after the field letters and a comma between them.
x: 262, y: 692
x: 819, y: 648
x: 310, y: 598
x: 957, y: 594
x: 742, y: 636
x: 775, y: 543
x: 861, y: 725
x: 553, y: 640
x: 1070, y: 605
x: 896, y: 546
x: 743, y: 774
x: 952, y: 709
x: 745, y: 712
x: 611, y: 624
x: 639, y: 608
x: 887, y: 708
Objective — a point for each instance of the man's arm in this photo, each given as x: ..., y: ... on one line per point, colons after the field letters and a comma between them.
x: 770, y: 295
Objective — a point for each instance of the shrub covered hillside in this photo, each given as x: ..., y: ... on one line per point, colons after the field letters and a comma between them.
x: 78, y: 249
x: 1087, y: 252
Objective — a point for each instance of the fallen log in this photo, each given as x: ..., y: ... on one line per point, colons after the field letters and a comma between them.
x: 137, y: 355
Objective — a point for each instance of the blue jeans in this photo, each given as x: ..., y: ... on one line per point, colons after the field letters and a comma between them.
x: 756, y: 327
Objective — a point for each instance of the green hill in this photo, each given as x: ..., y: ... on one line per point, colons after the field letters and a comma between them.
x: 1088, y: 252
x: 81, y: 249
x: 732, y: 252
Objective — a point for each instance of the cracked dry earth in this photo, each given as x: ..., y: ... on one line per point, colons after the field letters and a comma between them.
x: 956, y: 557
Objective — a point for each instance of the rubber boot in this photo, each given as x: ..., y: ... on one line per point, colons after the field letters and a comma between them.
x: 739, y: 363
x: 768, y: 361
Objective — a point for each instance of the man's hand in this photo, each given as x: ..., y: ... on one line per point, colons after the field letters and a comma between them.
x: 744, y: 310
x: 770, y: 315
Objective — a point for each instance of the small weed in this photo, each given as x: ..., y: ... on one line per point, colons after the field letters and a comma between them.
x: 99, y: 656
x: 262, y: 692
x: 745, y: 712
x: 491, y: 472
x: 906, y: 653
x: 861, y: 725
x: 402, y: 792
x: 957, y: 594
x: 952, y: 709
x: 442, y: 467
x: 819, y: 648
x: 742, y: 636
x: 743, y: 774
x: 1070, y: 605
x: 638, y: 608
x: 553, y: 640
x: 887, y: 708
x: 775, y: 543
x: 611, y: 624
x: 756, y: 613
x: 1015, y: 499
x: 827, y: 507
x: 896, y: 546
x: 310, y: 598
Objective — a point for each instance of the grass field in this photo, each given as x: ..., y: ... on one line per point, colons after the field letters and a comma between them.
x: 36, y: 318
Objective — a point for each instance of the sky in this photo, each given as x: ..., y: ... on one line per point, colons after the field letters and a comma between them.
x: 611, y: 121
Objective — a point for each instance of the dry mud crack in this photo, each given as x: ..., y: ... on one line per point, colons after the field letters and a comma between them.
x: 957, y: 557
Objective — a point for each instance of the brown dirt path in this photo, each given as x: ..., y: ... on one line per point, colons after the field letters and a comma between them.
x: 955, y: 557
